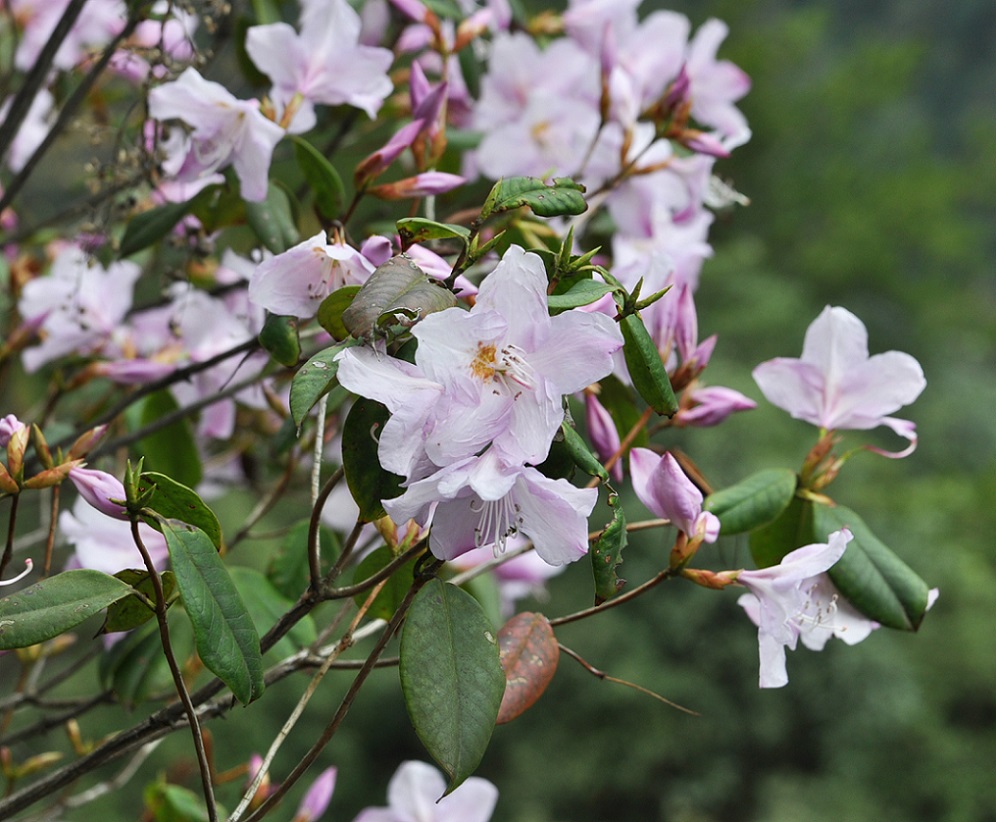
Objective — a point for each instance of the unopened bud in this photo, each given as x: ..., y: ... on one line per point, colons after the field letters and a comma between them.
x: 8, y: 425
x: 41, y: 447
x: 421, y: 185
x: 8, y: 485
x: 710, y: 579
x: 101, y: 490
x: 86, y: 442
x: 51, y: 477
x: 16, y: 446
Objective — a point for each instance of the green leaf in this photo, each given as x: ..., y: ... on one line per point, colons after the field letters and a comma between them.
x: 170, y: 450
x: 394, y: 590
x: 173, y: 803
x: 873, y: 579
x: 791, y: 529
x: 54, y: 605
x: 451, y: 677
x: 582, y: 454
x: 314, y: 380
x: 173, y: 500
x: 134, y: 668
x: 368, y: 482
x: 288, y: 569
x: 151, y: 226
x: 398, y: 287
x: 280, y: 340
x: 583, y: 292
x: 331, y: 309
x: 272, y: 221
x: 643, y: 361
x: 753, y: 502
x: 562, y: 197
x: 321, y: 177
x: 414, y: 230
x: 132, y: 611
x: 606, y: 554
x: 223, y: 630
x: 266, y: 605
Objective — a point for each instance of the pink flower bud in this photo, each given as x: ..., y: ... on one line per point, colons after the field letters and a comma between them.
x: 317, y: 799
x: 100, y: 490
x: 603, y: 433
x: 711, y: 406
x: 663, y: 487
x: 8, y: 426
x: 421, y: 185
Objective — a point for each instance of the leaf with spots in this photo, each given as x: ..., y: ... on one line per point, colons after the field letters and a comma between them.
x: 529, y: 657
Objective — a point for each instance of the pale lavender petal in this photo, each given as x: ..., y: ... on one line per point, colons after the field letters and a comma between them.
x: 792, y: 385
x: 578, y: 350
x: 317, y: 799
x: 554, y: 516
x: 516, y: 289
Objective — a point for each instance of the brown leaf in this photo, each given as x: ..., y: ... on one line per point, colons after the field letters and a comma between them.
x: 529, y: 656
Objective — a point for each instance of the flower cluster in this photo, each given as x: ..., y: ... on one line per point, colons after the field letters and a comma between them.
x: 478, y: 410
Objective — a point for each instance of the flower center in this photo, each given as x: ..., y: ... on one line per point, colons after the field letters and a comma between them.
x: 505, y: 365
x: 497, y: 523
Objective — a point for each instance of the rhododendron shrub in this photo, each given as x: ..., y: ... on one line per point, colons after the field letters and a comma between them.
x: 437, y: 277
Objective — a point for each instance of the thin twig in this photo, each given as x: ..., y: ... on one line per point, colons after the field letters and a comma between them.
x: 8, y: 550
x: 667, y: 573
x: 314, y: 537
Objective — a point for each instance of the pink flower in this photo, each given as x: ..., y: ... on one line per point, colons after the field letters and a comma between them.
x: 325, y: 63
x: 836, y: 385
x: 715, y: 85
x: 9, y: 426
x: 106, y: 544
x: 711, y: 406
x: 663, y: 487
x: 295, y: 282
x: 482, y: 501
x: 415, y: 794
x: 224, y: 131
x: 317, y: 799
x: 785, y: 602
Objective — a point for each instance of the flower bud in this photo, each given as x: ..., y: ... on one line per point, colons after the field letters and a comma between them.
x: 86, y: 442
x: 51, y: 477
x: 8, y: 426
x: 16, y: 446
x: 317, y: 799
x: 101, y: 490
x: 711, y: 406
x: 421, y: 185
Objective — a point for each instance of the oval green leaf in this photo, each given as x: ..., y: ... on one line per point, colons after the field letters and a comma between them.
x: 280, y: 339
x: 583, y: 292
x: 272, y: 220
x: 314, y: 380
x: 561, y: 198
x: 368, y: 482
x: 414, y: 230
x: 643, y: 361
x: 54, y: 605
x: 876, y: 581
x: 582, y: 454
x: 321, y: 177
x: 223, y: 630
x: 529, y: 657
x: 331, y: 309
x: 753, y: 502
x: 170, y: 450
x: 174, y: 500
x: 451, y: 677
x: 151, y: 226
x: 791, y: 529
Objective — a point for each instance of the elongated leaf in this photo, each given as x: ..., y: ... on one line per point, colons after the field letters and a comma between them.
x: 581, y: 453
x: 266, y: 605
x: 321, y: 177
x: 560, y: 198
x: 753, y: 502
x: 876, y: 581
x: 414, y: 230
x: 223, y: 630
x: 132, y: 611
x: 174, y: 500
x: 583, y: 292
x: 151, y: 226
x: 314, y: 380
x: 170, y: 450
x: 173, y: 803
x: 397, y: 585
x: 606, y: 554
x: 272, y: 220
x: 643, y: 361
x: 791, y: 529
x: 451, y: 677
x: 529, y: 657
x: 280, y: 339
x: 368, y: 482
x: 54, y: 605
